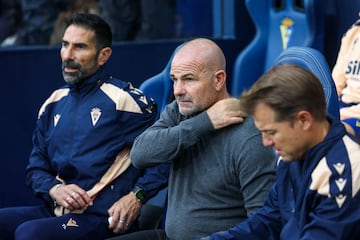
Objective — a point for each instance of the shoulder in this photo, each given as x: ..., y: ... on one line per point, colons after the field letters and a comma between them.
x: 56, y: 96
x: 336, y: 173
x: 245, y: 131
x: 246, y: 140
x: 126, y: 97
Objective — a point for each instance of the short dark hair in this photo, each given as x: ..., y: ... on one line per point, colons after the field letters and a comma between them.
x: 102, y: 30
x: 287, y: 89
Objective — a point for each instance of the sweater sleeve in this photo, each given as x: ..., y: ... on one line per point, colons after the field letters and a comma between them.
x: 168, y: 137
x: 256, y: 172
x: 154, y: 179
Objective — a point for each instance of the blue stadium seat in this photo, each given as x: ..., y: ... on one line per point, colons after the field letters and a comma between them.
x: 314, y: 61
x: 279, y: 24
x: 159, y: 87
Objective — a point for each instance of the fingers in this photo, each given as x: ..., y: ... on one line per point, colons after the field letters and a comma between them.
x: 81, y: 197
x: 118, y: 226
x: 124, y: 212
x: 226, y: 112
x: 75, y: 201
x: 233, y: 106
x: 119, y: 221
x: 72, y: 197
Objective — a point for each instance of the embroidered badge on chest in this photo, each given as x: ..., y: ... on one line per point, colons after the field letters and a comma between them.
x: 56, y: 119
x: 95, y: 115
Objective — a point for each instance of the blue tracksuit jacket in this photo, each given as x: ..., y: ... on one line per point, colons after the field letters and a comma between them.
x: 315, y: 198
x: 79, y: 132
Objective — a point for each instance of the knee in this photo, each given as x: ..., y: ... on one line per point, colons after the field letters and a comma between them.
x: 28, y: 231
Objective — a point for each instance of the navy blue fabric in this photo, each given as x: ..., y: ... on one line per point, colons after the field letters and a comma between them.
x: 37, y: 222
x: 73, y: 148
x: 80, y: 130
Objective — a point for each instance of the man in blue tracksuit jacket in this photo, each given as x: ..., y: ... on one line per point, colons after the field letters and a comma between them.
x: 80, y: 165
x: 316, y: 194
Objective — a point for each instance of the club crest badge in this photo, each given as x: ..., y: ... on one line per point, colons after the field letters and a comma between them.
x: 95, y: 115
x: 286, y: 30
x: 56, y: 119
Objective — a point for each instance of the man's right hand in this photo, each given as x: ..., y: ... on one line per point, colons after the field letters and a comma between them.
x: 226, y: 112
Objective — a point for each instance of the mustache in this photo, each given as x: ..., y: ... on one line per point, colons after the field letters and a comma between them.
x: 70, y: 64
x: 183, y: 98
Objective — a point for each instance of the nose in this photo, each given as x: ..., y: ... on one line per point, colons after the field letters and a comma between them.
x: 67, y: 53
x: 267, y: 140
x: 179, y: 88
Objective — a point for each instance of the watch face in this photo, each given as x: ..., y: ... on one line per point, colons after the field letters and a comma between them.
x: 139, y: 193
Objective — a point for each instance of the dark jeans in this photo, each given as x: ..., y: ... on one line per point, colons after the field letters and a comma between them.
x: 157, y: 234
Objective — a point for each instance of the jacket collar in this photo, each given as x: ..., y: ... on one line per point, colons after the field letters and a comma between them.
x: 91, y: 82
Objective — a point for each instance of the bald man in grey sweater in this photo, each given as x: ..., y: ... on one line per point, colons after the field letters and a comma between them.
x: 220, y: 171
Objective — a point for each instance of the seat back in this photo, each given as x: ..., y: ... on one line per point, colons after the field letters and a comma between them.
x: 314, y: 61
x: 279, y: 24
x: 159, y: 86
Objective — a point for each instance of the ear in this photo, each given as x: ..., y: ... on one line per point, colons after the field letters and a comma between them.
x: 104, y: 55
x: 305, y: 119
x: 220, y: 79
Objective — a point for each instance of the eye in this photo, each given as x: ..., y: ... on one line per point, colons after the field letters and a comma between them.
x: 271, y: 132
x: 64, y: 44
x: 81, y: 46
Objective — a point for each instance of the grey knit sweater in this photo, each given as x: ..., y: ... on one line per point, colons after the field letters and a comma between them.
x: 217, y: 177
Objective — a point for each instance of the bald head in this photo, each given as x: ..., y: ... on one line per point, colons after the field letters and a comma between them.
x: 204, y: 52
x: 198, y: 74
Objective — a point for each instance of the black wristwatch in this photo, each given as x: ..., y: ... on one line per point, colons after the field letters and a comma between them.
x: 139, y: 194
